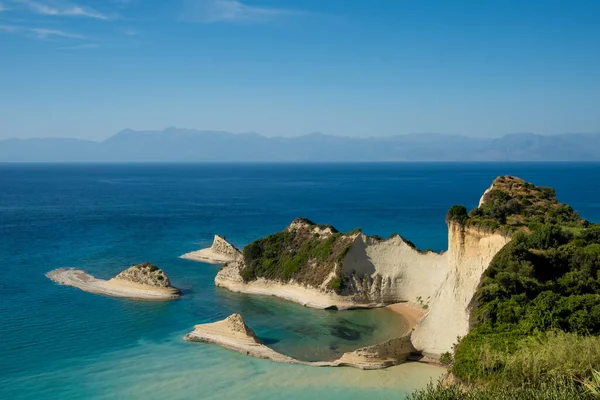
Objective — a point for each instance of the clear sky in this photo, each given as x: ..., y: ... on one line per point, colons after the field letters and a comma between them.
x: 89, y: 68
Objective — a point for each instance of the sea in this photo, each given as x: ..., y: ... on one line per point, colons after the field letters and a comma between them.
x: 58, y: 342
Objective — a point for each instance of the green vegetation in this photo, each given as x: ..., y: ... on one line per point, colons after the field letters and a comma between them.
x: 536, y: 315
x: 457, y: 213
x: 513, y: 204
x: 446, y: 359
x: 593, y: 384
x: 336, y: 284
x: 423, y: 303
x: 552, y: 389
x: 299, y: 253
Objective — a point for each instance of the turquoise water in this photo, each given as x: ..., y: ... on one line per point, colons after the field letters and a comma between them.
x: 60, y: 343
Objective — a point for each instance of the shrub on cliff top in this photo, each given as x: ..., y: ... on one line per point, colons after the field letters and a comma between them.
x: 457, y: 213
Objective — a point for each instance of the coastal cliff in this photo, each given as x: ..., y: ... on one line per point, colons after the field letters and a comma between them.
x: 318, y: 266
x: 470, y: 251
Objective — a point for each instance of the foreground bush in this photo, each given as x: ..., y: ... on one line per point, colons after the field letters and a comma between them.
x: 485, y: 357
x: 548, y: 390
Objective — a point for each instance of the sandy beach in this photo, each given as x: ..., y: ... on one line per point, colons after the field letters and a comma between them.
x: 410, y: 313
x: 113, y: 287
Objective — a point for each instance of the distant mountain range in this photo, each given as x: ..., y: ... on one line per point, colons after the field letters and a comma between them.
x: 184, y: 145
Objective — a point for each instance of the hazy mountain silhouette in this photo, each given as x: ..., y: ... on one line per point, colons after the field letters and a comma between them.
x: 185, y: 145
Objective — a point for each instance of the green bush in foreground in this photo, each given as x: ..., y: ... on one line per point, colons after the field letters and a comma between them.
x: 548, y: 390
x: 514, y: 360
x: 593, y: 384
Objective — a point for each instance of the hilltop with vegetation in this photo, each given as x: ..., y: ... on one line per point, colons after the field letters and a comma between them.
x: 535, y: 318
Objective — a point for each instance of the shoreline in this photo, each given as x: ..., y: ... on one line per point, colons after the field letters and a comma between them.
x: 233, y: 334
x: 114, y: 287
x: 308, y: 297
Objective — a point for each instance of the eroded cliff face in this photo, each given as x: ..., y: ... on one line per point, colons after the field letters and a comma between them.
x: 391, y: 271
x: 470, y: 251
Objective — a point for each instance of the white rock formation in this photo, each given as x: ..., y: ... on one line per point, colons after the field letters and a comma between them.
x: 470, y: 252
x: 220, y: 252
x: 391, y: 271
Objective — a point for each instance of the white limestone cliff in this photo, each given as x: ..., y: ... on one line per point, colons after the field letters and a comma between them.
x: 470, y: 251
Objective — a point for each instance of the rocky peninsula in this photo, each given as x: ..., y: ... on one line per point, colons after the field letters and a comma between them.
x: 220, y: 252
x: 232, y: 333
x: 319, y: 267
x: 141, y: 282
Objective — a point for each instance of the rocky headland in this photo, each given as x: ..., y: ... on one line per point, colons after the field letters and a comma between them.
x: 317, y: 266
x: 220, y: 252
x: 143, y: 282
x: 329, y: 270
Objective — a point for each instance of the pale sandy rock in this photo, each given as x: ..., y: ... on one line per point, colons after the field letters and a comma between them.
x: 391, y: 271
x: 220, y: 252
x: 232, y: 333
x: 391, y: 352
x: 470, y: 252
x: 140, y: 284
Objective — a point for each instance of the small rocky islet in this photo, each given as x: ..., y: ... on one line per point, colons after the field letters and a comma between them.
x: 142, y: 282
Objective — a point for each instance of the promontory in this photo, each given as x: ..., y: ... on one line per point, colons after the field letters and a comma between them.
x: 318, y: 266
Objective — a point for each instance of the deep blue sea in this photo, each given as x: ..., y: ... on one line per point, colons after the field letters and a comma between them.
x: 57, y: 342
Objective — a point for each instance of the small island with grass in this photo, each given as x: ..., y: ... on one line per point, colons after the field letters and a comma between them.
x: 142, y: 282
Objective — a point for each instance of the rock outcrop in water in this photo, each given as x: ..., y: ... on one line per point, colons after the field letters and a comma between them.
x: 220, y: 252
x: 318, y: 266
x: 142, y: 282
x: 232, y: 333
x: 145, y: 274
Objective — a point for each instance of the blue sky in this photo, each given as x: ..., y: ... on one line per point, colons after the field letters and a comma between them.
x: 89, y: 68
